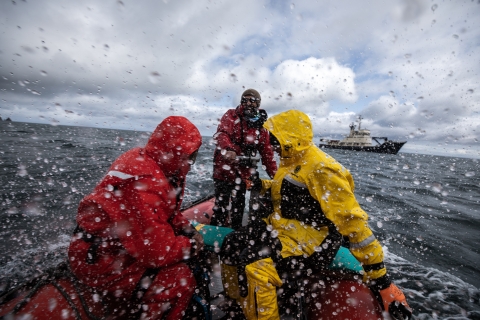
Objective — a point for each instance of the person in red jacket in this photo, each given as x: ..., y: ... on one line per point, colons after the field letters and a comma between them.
x: 240, y: 133
x: 132, y: 240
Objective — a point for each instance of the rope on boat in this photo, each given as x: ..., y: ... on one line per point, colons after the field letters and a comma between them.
x: 69, y: 300
x: 25, y: 300
x: 84, y: 303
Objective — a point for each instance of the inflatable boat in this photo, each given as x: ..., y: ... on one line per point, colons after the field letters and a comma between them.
x: 337, y: 293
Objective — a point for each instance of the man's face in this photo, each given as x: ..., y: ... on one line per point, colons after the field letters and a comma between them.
x: 251, y: 105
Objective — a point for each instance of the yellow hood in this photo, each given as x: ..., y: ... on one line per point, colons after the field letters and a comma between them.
x: 293, y: 129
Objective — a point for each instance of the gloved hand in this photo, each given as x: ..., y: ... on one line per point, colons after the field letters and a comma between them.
x: 250, y: 243
x: 197, y: 244
x: 254, y: 183
x: 294, y: 267
x: 230, y: 155
x: 392, y: 300
x: 196, y: 240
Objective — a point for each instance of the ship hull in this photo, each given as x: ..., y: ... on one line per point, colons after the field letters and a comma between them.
x: 389, y: 147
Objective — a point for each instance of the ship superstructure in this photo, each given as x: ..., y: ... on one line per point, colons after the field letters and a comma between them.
x: 361, y: 140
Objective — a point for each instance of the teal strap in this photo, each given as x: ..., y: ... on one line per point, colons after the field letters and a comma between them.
x: 344, y: 260
x: 213, y: 236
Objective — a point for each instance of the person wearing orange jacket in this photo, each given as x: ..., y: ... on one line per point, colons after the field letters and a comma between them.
x: 132, y: 240
x: 240, y: 133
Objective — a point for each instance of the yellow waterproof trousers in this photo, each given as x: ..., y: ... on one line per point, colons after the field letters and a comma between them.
x: 263, y: 280
x: 261, y: 302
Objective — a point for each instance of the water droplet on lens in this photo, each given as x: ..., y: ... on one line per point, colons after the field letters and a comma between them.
x: 434, y: 7
x: 437, y: 187
x: 154, y: 77
x: 44, y: 73
x: 22, y: 172
x: 469, y: 174
x: 52, y: 304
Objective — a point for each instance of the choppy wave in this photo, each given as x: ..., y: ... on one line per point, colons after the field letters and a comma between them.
x: 424, y: 209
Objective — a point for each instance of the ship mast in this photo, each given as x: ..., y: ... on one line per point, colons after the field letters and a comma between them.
x: 359, y: 121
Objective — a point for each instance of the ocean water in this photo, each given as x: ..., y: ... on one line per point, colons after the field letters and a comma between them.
x: 424, y: 209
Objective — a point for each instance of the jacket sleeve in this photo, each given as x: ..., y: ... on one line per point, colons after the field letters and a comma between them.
x: 147, y: 232
x: 179, y: 222
x: 266, y: 151
x: 224, y: 133
x: 333, y: 188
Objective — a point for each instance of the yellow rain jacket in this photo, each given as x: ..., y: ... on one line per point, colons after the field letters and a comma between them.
x: 310, y: 192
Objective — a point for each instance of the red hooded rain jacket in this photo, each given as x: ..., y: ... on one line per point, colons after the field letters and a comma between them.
x: 131, y: 221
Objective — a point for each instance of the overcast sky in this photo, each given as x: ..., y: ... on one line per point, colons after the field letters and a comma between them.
x: 410, y: 68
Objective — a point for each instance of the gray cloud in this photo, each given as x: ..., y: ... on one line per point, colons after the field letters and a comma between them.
x: 409, y: 67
